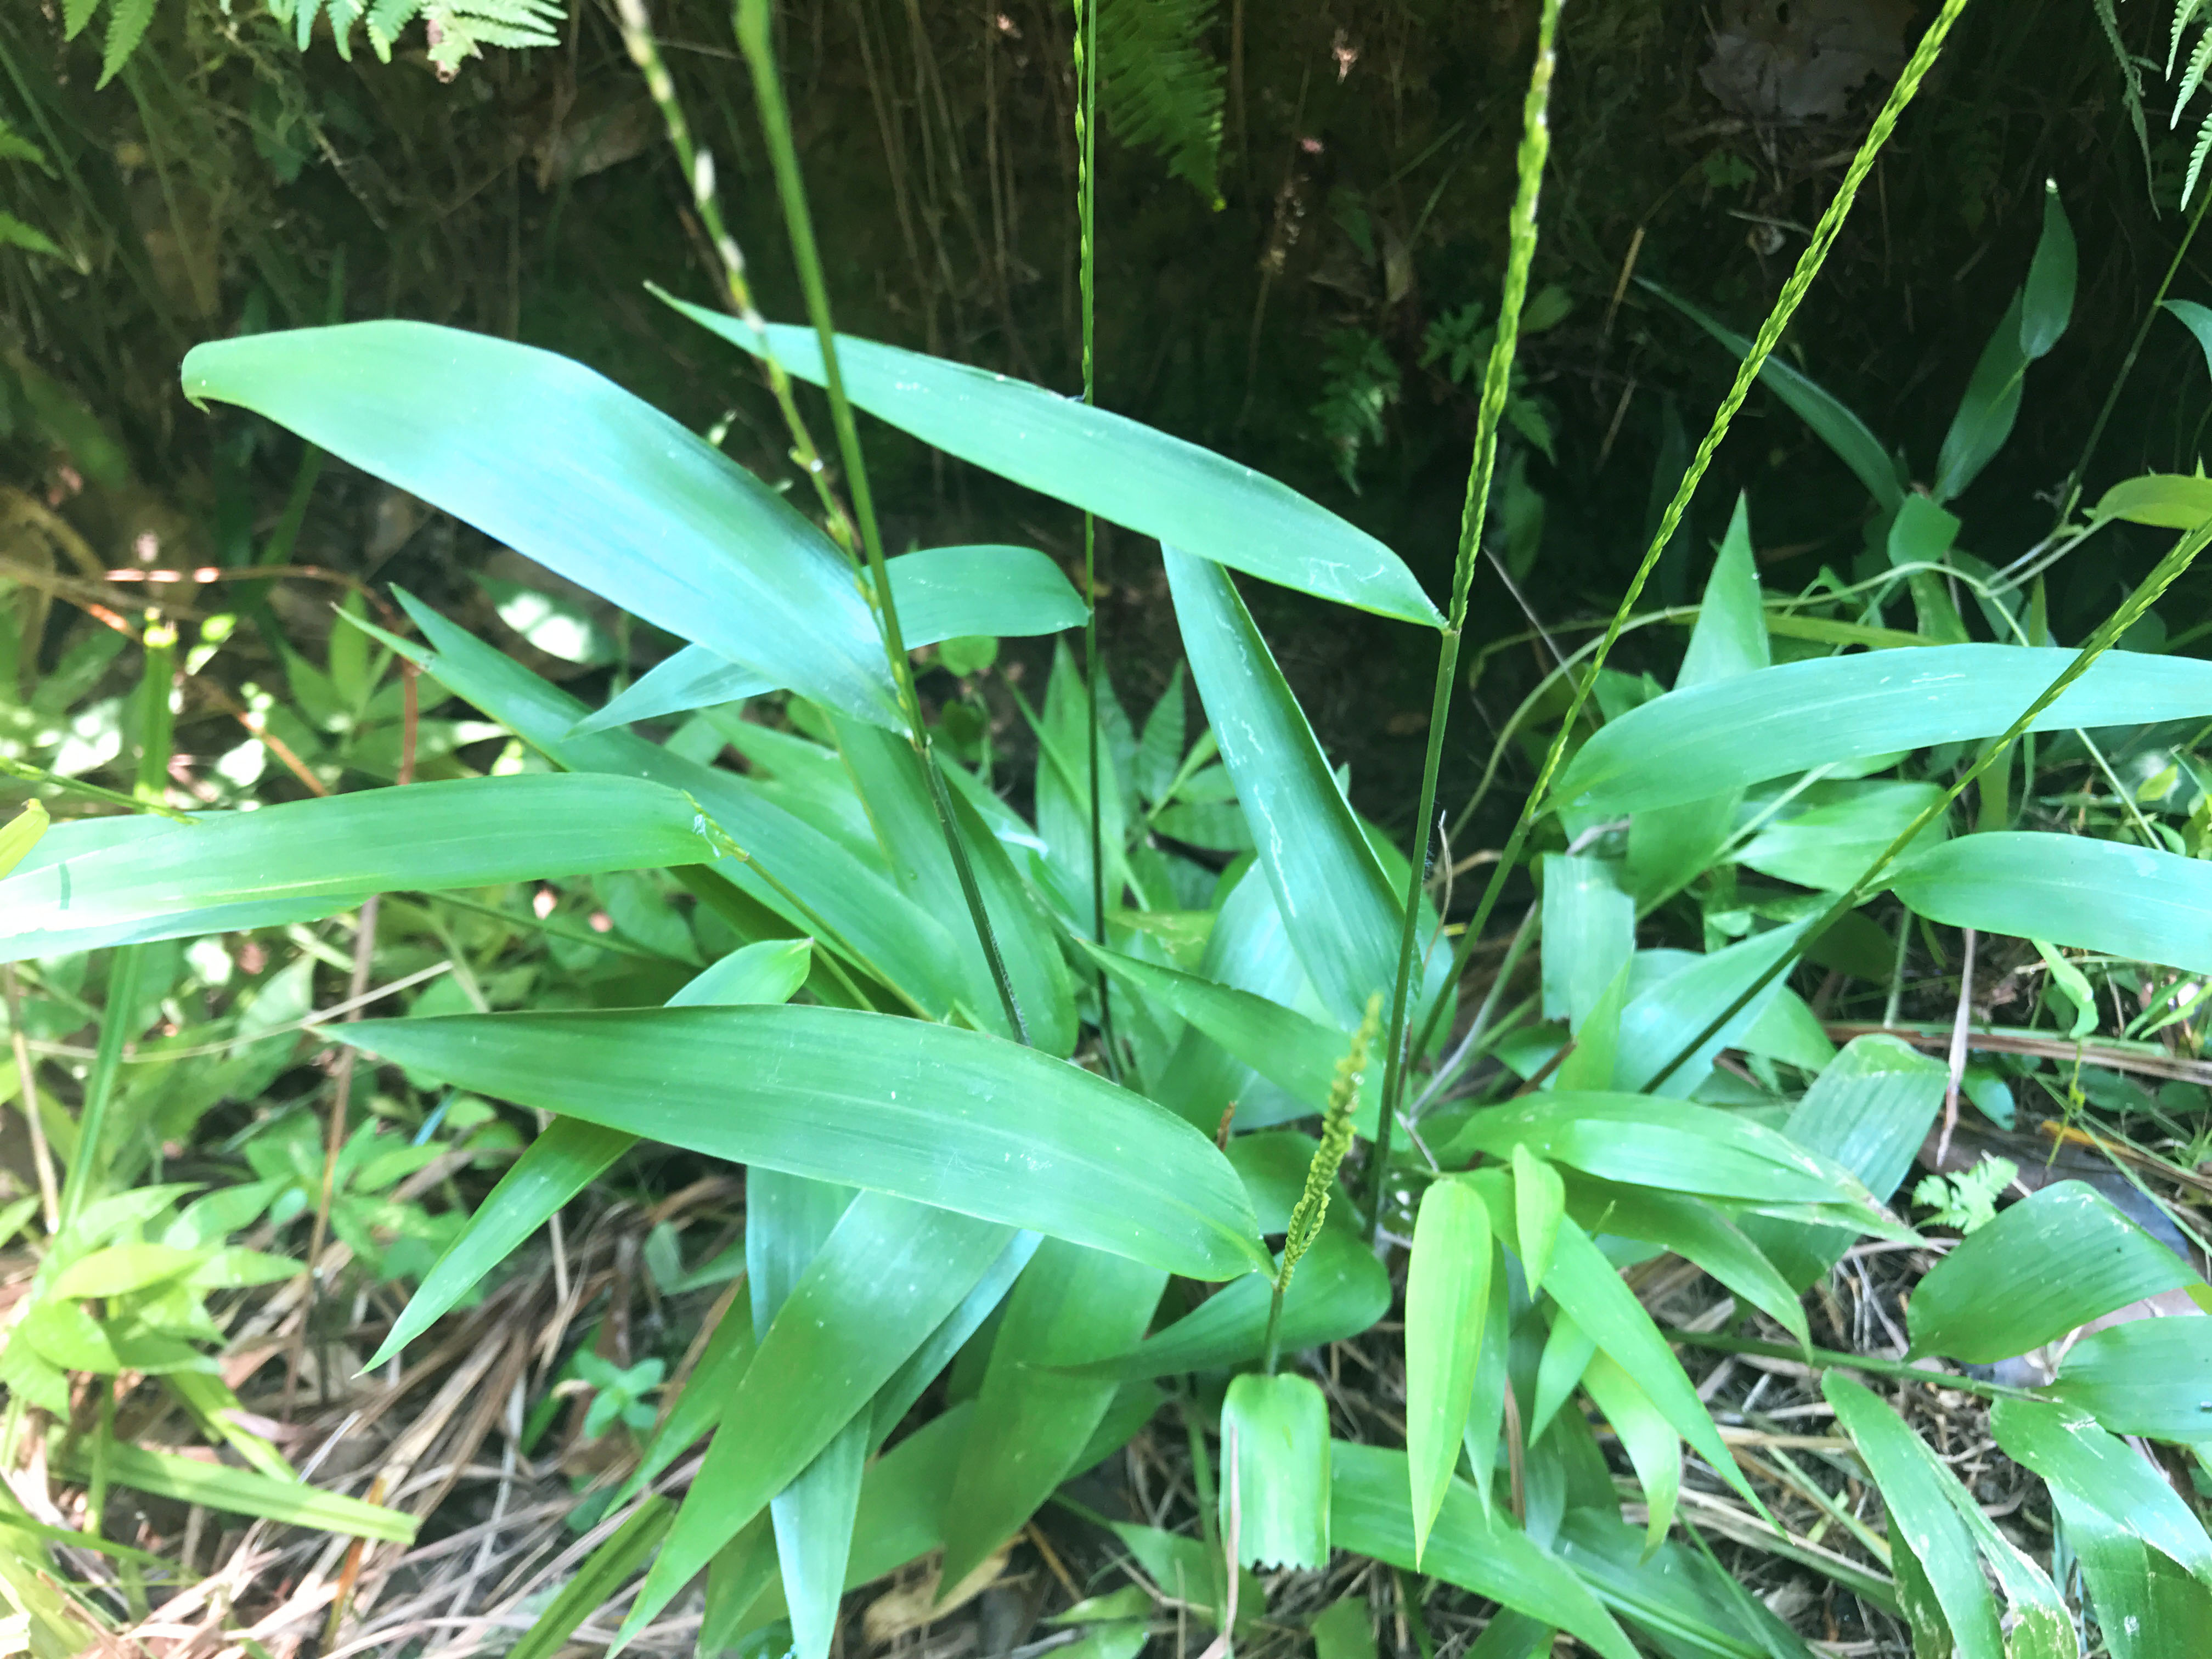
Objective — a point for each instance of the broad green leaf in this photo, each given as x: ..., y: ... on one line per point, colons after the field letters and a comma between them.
x: 2146, y: 1607
x: 238, y: 1491
x: 1486, y: 1410
x: 1589, y: 933
x: 1945, y: 1596
x: 897, y: 796
x: 1688, y: 745
x: 1730, y: 635
x: 1683, y: 1000
x: 1568, y: 1349
x: 1832, y: 423
x: 1652, y: 1446
x: 941, y: 593
x: 810, y: 879
x: 1679, y: 1599
x: 21, y: 834
x: 562, y: 465
x: 1590, y: 1064
x: 1672, y: 1144
x: 1447, y: 1303
x: 312, y: 857
x: 901, y: 1516
x: 2165, y: 501
x: 789, y: 1219
x: 1339, y: 1291
x: 698, y: 1406
x: 1829, y: 836
x: 1345, y: 1630
x: 2140, y: 904
x: 1342, y: 917
x: 1868, y: 1111
x: 1105, y: 464
x: 769, y: 971
x: 889, y: 1274
x: 1274, y: 1471
x: 947, y: 1117
x: 571, y: 1154
x: 2143, y: 1376
x: 897, y: 1397
x: 1588, y: 1287
x: 1472, y: 1545
x: 1290, y: 1050
x: 2047, y: 302
x: 1247, y: 949
x: 1923, y: 533
x: 567, y: 1158
x: 1700, y: 1232
x: 2103, y: 1472
x: 122, y: 1268
x: 2054, y: 1260
x: 1539, y: 1200
x: 1918, y: 1488
x: 598, y: 1580
x: 2198, y: 319
x: 1988, y: 409
x: 1034, y: 1415
x: 1184, y: 1569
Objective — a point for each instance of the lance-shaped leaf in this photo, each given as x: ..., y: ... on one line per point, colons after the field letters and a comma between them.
x: 561, y: 463
x: 312, y: 857
x: 1673, y: 1144
x: 1472, y: 1545
x: 888, y: 1274
x: 1291, y: 1051
x: 791, y: 867
x: 1652, y: 1446
x: 1342, y: 917
x: 1339, y: 1290
x: 1937, y: 1521
x: 952, y: 1118
x: 1105, y: 464
x: 2054, y: 1260
x: 1035, y: 1414
x: 571, y: 1153
x: 1274, y: 1471
x: 1729, y: 734
x: 2138, y: 903
x: 941, y: 593
x: 2143, y: 1376
x: 1447, y: 1304
x: 2102, y: 1471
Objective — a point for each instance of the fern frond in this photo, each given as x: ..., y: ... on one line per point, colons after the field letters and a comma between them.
x: 75, y: 14
x: 385, y: 20
x: 13, y: 147
x: 2196, y: 159
x: 2184, y: 13
x: 14, y: 233
x: 127, y: 24
x: 1162, y: 86
x: 2131, y: 76
x: 2199, y: 61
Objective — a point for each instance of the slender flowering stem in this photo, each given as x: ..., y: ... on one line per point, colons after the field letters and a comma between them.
x: 752, y: 28
x: 698, y: 166
x: 1087, y: 203
x: 1497, y: 382
x: 1770, y: 334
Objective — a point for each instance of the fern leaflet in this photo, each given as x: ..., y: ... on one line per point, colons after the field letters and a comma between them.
x: 1161, y: 85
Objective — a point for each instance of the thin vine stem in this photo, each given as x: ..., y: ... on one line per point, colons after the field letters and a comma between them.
x: 753, y: 38
x: 1770, y: 334
x: 1497, y: 383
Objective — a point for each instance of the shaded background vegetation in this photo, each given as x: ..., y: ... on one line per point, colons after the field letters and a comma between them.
x: 224, y: 180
